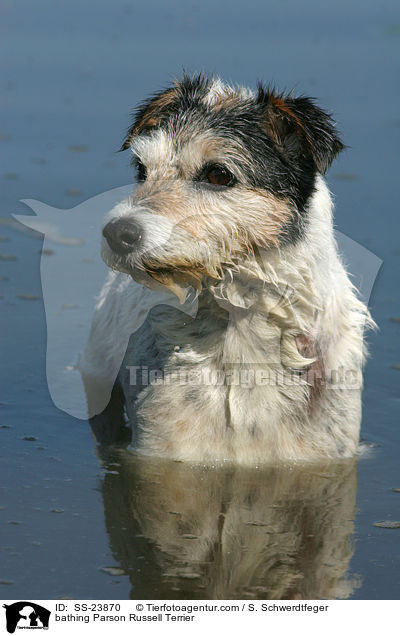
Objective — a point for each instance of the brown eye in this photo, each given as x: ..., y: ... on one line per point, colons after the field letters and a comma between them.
x: 216, y: 175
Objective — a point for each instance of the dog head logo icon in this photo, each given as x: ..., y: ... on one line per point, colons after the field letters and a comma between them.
x: 25, y: 614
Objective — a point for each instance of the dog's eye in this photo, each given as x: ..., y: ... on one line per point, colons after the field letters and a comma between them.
x: 141, y: 171
x: 219, y: 176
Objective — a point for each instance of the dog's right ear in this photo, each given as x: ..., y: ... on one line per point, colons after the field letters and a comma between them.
x: 300, y: 128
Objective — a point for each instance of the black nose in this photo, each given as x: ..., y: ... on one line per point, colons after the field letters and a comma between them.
x: 122, y: 235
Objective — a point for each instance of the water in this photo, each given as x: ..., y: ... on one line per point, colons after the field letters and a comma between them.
x: 69, y: 514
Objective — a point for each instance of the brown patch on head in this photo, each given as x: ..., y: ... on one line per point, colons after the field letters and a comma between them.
x: 280, y: 104
x: 280, y: 116
x: 168, y: 198
x: 279, y: 214
x: 152, y: 115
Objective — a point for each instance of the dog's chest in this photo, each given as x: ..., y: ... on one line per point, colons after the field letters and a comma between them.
x: 207, y: 386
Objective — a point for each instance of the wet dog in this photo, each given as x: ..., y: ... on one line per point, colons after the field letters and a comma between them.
x: 231, y: 214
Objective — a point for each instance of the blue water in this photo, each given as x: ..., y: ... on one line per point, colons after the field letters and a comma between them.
x: 71, y: 74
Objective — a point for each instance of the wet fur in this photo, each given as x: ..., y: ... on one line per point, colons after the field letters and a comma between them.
x: 274, y: 299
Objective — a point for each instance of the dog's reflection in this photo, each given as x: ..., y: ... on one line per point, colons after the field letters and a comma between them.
x: 188, y: 532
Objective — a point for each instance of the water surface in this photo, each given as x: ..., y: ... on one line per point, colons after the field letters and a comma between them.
x: 83, y: 524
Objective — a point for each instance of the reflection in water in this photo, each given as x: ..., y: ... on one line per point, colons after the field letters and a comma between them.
x: 188, y: 532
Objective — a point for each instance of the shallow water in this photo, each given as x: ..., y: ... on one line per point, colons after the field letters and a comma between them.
x: 83, y: 524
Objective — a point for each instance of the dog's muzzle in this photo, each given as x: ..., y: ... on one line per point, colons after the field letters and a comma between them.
x: 123, y: 236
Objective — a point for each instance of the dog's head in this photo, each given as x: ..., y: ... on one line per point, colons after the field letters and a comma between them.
x: 221, y: 171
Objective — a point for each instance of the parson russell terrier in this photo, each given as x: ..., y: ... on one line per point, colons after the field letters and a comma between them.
x: 230, y: 212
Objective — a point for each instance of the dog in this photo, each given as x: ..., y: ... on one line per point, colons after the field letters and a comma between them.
x: 263, y: 360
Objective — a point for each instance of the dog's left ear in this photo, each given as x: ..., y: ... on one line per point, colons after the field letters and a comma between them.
x: 299, y: 127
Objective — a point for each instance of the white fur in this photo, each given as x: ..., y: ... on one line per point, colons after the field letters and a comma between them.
x: 220, y: 89
x: 297, y: 290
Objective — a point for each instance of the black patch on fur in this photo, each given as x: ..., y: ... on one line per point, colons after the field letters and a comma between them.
x: 141, y: 171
